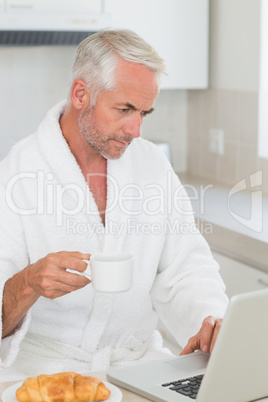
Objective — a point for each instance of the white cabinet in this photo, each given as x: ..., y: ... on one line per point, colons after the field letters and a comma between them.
x: 178, y: 29
x: 56, y: 6
x: 239, y: 277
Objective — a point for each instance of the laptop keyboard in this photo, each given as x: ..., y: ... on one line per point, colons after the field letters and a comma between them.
x: 188, y: 386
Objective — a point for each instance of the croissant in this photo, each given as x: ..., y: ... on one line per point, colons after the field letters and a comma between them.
x: 62, y: 387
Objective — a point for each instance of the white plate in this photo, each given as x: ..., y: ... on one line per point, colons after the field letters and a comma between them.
x: 9, y: 395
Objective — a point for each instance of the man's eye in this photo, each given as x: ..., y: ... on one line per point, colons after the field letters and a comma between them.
x: 125, y: 110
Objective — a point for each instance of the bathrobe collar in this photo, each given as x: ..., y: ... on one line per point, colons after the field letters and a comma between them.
x: 63, y: 164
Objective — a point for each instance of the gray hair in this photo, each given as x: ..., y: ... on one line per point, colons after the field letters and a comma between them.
x: 98, y: 55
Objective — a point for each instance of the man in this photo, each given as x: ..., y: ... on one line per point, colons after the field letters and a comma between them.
x: 84, y: 183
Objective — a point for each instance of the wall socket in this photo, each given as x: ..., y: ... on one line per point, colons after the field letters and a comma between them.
x: 216, y: 141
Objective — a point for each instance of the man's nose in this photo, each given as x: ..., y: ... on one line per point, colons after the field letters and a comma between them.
x: 133, y: 126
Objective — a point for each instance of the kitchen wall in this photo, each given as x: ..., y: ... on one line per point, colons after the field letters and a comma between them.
x: 231, y: 102
x: 168, y: 123
x: 31, y: 81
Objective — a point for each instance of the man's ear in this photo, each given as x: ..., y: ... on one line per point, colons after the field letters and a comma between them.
x: 80, y: 94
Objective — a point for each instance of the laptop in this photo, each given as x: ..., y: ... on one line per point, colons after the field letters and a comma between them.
x: 236, y: 371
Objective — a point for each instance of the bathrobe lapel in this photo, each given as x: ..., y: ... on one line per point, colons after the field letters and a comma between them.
x: 68, y: 174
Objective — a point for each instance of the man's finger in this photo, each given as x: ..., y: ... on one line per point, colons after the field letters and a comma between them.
x: 217, y: 327
x: 192, y: 345
x: 206, y: 333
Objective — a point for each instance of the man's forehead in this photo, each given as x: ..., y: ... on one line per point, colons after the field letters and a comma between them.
x: 134, y: 74
x: 125, y: 66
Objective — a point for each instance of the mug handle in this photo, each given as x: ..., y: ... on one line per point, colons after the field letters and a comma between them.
x: 86, y: 274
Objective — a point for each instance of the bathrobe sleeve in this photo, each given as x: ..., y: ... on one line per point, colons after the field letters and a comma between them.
x: 188, y: 286
x: 13, y: 258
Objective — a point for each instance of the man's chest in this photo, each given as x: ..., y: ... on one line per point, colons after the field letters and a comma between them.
x: 98, y: 187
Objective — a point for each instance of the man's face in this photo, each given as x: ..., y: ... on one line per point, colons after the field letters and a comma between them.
x: 115, y: 120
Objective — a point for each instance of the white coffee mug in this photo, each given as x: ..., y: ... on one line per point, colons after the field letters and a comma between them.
x: 110, y: 272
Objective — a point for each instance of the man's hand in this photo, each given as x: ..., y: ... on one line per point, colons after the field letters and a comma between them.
x: 47, y: 277
x: 205, y: 339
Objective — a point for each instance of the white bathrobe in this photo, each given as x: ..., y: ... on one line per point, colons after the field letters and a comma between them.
x: 46, y: 206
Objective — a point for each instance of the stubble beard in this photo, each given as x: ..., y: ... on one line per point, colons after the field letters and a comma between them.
x: 97, y: 139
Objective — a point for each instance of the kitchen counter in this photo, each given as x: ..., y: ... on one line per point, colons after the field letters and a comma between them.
x: 234, y: 221
x: 127, y: 395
